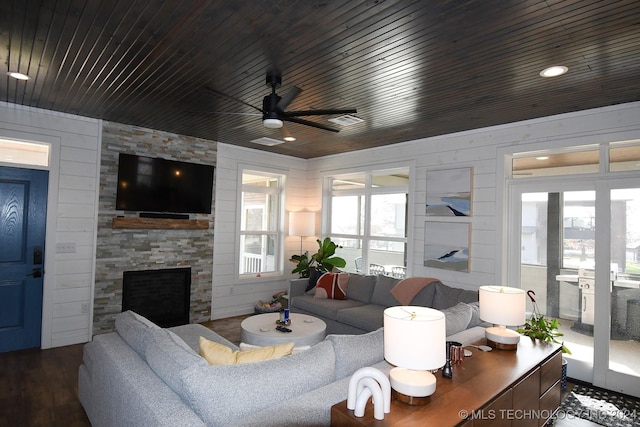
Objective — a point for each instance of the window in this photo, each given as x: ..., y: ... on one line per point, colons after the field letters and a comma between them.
x: 368, y: 218
x: 622, y: 156
x: 260, y: 234
x: 26, y: 153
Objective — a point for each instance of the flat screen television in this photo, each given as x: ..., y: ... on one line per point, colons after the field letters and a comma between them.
x: 158, y: 185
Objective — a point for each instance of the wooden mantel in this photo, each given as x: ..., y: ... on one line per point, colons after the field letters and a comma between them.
x: 159, y: 223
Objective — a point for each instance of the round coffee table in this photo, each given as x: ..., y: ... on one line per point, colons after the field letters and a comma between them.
x: 261, y: 330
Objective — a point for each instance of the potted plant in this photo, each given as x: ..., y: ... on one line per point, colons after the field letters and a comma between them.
x: 544, y: 329
x: 321, y: 262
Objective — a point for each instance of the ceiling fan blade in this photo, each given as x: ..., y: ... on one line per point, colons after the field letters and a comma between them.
x: 310, y: 123
x: 318, y: 112
x: 224, y: 95
x: 225, y: 113
x: 288, y: 98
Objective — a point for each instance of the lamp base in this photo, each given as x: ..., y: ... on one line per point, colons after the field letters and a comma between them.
x: 412, y: 387
x: 410, y: 400
x: 501, y: 346
x: 502, y: 338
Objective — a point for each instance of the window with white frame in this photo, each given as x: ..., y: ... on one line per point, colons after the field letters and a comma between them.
x: 368, y: 218
x: 260, y: 211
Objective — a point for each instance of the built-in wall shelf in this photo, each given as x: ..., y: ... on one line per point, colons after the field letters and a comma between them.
x: 160, y: 223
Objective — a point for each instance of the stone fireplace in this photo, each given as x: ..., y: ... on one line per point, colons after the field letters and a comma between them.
x: 124, y: 250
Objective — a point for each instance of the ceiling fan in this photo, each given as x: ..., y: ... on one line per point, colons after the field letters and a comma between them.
x: 274, y: 106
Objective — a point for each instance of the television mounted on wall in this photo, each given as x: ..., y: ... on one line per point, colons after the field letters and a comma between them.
x: 151, y: 184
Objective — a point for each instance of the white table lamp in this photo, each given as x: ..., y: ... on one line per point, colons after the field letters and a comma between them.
x: 302, y: 223
x: 503, y: 306
x: 415, y: 342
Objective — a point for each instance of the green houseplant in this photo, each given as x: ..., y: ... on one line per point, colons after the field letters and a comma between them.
x: 542, y: 328
x: 322, y: 261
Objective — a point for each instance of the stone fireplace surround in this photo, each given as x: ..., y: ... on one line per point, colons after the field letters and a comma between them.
x: 120, y: 250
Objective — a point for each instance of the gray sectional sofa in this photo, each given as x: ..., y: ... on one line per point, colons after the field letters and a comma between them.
x: 368, y: 296
x: 143, y: 375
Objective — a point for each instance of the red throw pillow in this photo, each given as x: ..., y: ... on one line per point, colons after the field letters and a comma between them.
x: 332, y: 286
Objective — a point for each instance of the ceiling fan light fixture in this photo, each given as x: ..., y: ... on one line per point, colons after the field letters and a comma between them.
x: 272, y: 123
x: 554, y: 71
x: 18, y: 76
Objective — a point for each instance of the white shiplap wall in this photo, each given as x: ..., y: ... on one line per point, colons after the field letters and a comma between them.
x: 484, y: 150
x: 74, y: 177
x: 233, y: 295
x: 71, y: 215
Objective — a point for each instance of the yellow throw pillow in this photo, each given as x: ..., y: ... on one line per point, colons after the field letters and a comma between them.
x: 219, y: 354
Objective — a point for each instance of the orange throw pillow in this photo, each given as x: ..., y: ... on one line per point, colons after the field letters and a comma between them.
x: 332, y: 286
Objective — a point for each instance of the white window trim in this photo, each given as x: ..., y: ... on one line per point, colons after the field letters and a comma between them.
x: 279, y: 233
x: 370, y: 171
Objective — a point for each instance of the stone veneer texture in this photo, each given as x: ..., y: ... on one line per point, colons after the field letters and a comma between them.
x: 124, y: 250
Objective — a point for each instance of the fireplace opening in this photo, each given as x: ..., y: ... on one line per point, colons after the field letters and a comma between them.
x: 162, y: 296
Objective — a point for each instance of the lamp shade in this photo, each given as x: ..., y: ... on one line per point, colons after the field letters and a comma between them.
x: 302, y: 223
x: 415, y: 337
x: 502, y: 305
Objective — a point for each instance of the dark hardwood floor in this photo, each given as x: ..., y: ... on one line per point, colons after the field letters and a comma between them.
x: 40, y: 387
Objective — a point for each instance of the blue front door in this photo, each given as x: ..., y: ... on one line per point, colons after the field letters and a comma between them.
x: 23, y: 211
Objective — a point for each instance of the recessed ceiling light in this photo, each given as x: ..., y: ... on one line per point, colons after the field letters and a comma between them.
x: 542, y: 158
x: 18, y: 76
x: 554, y: 71
x: 286, y: 135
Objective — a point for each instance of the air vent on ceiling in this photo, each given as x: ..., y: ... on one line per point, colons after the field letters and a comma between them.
x: 346, y: 120
x: 267, y: 141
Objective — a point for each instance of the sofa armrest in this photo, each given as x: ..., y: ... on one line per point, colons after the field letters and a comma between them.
x: 297, y: 287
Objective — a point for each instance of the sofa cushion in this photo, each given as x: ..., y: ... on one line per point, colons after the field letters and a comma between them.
x: 310, y: 409
x: 133, y: 329
x: 361, y: 287
x: 213, y: 392
x: 468, y: 336
x: 218, y: 354
x: 192, y: 332
x: 367, y: 317
x: 447, y: 296
x: 244, y: 347
x: 332, y: 286
x: 475, y: 314
x: 457, y: 318
x: 356, y: 351
x: 424, y: 297
x: 325, y: 308
x: 167, y: 354
x: 382, y: 292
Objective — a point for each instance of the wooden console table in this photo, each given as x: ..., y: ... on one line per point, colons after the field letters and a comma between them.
x: 497, y: 388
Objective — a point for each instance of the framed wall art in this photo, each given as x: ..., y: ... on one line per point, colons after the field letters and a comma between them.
x: 449, y: 192
x: 446, y: 245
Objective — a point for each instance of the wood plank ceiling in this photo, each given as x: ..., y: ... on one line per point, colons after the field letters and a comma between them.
x: 412, y: 69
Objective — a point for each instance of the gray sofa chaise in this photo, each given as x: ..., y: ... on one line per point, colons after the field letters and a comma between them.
x: 143, y: 375
x: 369, y: 295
